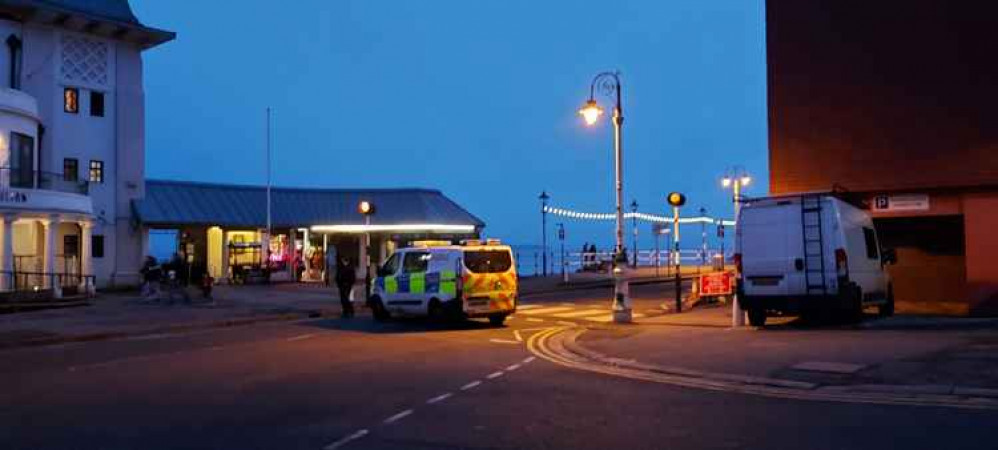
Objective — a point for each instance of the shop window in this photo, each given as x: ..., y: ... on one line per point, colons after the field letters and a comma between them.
x: 71, y: 100
x: 97, y: 246
x: 70, y: 169
x: 96, y: 104
x: 96, y: 171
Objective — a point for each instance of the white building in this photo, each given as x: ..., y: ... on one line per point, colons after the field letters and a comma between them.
x: 72, y: 144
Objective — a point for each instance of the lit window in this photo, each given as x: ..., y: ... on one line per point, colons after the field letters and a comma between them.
x: 96, y: 104
x: 96, y: 171
x: 71, y: 100
x: 70, y: 169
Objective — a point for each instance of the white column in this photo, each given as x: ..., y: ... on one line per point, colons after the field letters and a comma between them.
x: 7, y: 255
x: 86, y: 257
x: 362, y: 259
x: 225, y: 256
x: 265, y: 247
x: 51, y: 231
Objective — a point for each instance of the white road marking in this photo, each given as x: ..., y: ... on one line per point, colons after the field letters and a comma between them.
x: 519, y: 307
x: 604, y: 319
x: 547, y: 310
x: 512, y: 367
x: 398, y: 417
x: 471, y: 385
x: 516, y: 334
x: 439, y: 398
x: 531, y: 319
x: 494, y: 375
x: 353, y: 437
x: 585, y: 312
x: 637, y: 315
x: 504, y: 341
x: 529, y: 360
x: 302, y: 337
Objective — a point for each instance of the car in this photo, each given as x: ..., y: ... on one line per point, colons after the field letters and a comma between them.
x: 812, y: 255
x: 471, y: 280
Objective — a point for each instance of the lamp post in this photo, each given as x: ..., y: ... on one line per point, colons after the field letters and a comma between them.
x: 736, y: 178
x: 677, y: 200
x: 544, y: 230
x: 634, y: 224
x: 703, y: 237
x: 366, y: 209
x: 609, y: 85
x: 561, y: 237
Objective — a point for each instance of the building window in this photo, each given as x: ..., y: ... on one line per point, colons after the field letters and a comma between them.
x: 96, y: 171
x: 22, y: 160
x: 96, y: 104
x: 71, y: 100
x: 97, y: 246
x: 70, y: 245
x: 70, y: 169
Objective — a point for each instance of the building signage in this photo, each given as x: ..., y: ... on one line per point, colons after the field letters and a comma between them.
x: 895, y: 203
x: 9, y: 196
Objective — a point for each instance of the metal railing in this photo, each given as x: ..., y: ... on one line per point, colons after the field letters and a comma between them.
x: 529, y: 262
x: 12, y: 177
x: 39, y: 285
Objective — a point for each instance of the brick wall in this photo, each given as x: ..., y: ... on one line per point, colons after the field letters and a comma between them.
x: 879, y: 95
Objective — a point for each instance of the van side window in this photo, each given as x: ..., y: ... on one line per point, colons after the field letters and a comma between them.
x: 871, y: 243
x: 416, y: 262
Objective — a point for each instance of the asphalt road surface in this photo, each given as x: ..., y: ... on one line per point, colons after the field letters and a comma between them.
x: 356, y: 384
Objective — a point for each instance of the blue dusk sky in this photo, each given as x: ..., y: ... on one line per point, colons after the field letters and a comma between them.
x: 475, y: 98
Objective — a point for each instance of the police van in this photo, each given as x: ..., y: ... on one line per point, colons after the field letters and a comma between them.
x: 474, y: 279
x: 809, y: 254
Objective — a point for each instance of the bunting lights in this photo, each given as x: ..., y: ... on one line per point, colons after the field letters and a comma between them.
x: 632, y: 215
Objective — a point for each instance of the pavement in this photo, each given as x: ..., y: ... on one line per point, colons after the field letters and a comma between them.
x: 913, y: 360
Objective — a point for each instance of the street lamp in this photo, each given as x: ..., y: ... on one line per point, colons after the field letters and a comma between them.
x: 366, y: 209
x: 703, y: 237
x: 737, y: 179
x: 609, y: 85
x: 634, y: 224
x: 544, y: 197
x: 561, y: 237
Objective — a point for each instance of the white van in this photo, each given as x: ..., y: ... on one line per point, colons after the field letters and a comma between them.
x: 806, y: 254
x: 470, y: 280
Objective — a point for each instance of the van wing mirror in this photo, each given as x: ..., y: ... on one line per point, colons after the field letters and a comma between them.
x: 889, y: 256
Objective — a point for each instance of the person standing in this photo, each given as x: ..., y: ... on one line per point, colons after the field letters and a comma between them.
x: 345, y: 279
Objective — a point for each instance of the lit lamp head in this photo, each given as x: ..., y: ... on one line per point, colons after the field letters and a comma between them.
x: 591, y: 112
x: 365, y: 207
x: 676, y: 199
x: 745, y: 180
x: 726, y: 182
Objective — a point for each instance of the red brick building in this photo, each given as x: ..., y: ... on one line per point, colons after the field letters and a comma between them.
x: 896, y: 101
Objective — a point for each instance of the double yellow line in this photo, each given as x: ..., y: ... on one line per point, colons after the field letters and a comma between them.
x: 548, y: 344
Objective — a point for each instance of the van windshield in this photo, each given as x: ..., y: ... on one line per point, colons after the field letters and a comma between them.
x: 487, y: 261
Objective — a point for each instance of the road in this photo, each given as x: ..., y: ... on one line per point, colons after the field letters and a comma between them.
x: 356, y: 384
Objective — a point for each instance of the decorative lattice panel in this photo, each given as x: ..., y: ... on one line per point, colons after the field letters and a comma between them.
x: 84, y: 60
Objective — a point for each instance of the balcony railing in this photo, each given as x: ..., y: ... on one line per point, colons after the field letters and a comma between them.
x: 36, y: 179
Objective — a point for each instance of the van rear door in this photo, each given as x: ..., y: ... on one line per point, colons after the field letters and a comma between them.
x: 770, y: 238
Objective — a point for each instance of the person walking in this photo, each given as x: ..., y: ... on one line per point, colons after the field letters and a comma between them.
x: 345, y: 279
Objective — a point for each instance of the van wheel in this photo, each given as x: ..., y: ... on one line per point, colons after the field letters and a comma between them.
x: 497, y: 320
x: 757, y: 317
x: 887, y: 309
x: 378, y: 310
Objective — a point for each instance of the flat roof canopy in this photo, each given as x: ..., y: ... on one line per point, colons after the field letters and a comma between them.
x: 182, y: 203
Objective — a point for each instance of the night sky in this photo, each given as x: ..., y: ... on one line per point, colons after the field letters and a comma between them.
x: 475, y: 98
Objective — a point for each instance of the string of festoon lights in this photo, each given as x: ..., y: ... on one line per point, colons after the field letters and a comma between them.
x: 633, y: 215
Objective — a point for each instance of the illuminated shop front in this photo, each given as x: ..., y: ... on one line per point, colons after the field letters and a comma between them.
x: 221, y: 229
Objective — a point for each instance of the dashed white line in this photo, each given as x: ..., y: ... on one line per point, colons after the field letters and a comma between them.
x: 516, y: 334
x: 512, y: 367
x: 301, y: 337
x: 439, y: 398
x: 353, y: 437
x: 531, y: 319
x: 529, y: 360
x: 471, y: 385
x: 494, y: 375
x: 504, y: 341
x: 398, y: 417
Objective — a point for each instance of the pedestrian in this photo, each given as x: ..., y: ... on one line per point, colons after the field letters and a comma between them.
x: 151, y: 275
x: 345, y: 279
